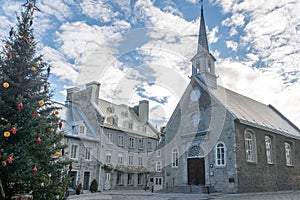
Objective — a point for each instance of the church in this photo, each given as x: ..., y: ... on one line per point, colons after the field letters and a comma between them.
x: 222, y: 141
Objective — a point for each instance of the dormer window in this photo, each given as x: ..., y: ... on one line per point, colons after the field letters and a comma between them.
x: 82, y: 129
x: 110, y: 109
x: 125, y: 113
x: 113, y: 120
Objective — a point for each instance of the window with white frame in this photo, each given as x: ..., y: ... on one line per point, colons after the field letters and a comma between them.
x: 150, y: 145
x: 130, y: 179
x: 82, y: 129
x: 140, y: 161
x: 140, y: 179
x: 88, y: 153
x: 141, y: 143
x: 220, y: 154
x: 74, y: 151
x: 121, y: 140
x: 288, y: 154
x: 108, y: 157
x: 250, y: 146
x: 120, y: 158
x: 158, y: 153
x: 175, y: 158
x: 158, y: 166
x: 130, y: 160
x: 130, y: 125
x: 109, y: 137
x: 269, y: 149
x: 119, y: 178
x: 131, y: 142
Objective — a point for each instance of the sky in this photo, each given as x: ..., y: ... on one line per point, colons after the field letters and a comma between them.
x: 141, y: 49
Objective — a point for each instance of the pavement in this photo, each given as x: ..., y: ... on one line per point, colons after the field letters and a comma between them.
x: 146, y: 195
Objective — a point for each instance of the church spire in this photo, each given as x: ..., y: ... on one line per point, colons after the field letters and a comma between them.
x: 202, y: 39
x: 203, y: 63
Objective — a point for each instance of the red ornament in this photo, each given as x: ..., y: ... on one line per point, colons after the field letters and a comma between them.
x: 20, y: 78
x: 0, y: 155
x: 9, y: 160
x: 20, y: 106
x: 34, y: 169
x: 60, y: 124
x: 13, y: 130
x: 63, y: 152
x: 9, y: 54
x: 26, y: 40
x: 70, y: 167
x: 38, y: 140
x: 46, y: 87
x: 35, y: 114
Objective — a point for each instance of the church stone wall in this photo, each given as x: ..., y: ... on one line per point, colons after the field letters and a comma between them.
x: 261, y: 176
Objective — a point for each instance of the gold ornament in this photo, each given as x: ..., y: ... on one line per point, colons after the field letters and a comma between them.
x: 41, y: 102
x: 57, y: 154
x: 56, y: 112
x: 40, y: 59
x: 6, y: 134
x: 3, y: 163
x: 6, y: 85
x: 33, y: 68
x: 52, y: 130
x: 6, y: 46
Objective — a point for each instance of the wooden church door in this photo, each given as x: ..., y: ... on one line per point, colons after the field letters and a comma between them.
x: 196, y: 171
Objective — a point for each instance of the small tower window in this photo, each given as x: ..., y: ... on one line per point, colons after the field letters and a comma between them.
x: 209, y: 69
x: 197, y: 67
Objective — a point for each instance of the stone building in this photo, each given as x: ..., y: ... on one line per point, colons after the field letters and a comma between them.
x: 118, y: 137
x: 220, y: 140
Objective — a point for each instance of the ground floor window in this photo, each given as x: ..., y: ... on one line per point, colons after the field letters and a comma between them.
x: 140, y: 179
x: 158, y: 181
x: 119, y: 178
x: 130, y: 179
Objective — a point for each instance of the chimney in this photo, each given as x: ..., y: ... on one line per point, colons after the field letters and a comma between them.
x: 94, y: 88
x: 70, y: 93
x: 143, y: 111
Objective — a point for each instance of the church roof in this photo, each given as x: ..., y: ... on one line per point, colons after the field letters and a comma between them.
x: 254, y: 113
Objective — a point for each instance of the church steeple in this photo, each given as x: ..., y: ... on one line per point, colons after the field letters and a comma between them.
x: 203, y: 63
x: 202, y: 39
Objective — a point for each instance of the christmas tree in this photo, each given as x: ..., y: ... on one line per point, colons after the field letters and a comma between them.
x: 32, y: 157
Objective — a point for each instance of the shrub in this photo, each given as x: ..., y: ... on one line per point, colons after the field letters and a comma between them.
x: 94, y: 186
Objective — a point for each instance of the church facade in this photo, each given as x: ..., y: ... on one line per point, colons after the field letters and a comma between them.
x: 219, y: 140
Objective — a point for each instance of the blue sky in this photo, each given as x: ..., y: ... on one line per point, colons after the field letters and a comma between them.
x: 141, y: 49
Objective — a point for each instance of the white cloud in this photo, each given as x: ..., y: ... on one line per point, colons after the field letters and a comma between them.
x: 98, y: 10
x: 212, y: 35
x: 232, y: 45
x: 56, y: 8
x: 260, y: 85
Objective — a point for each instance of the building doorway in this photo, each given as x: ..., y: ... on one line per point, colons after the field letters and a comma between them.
x: 196, y: 171
x: 86, y: 180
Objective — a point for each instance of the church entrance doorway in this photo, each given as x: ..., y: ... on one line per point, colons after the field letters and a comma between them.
x: 196, y: 171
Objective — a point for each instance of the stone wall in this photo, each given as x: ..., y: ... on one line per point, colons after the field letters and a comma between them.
x: 261, y: 176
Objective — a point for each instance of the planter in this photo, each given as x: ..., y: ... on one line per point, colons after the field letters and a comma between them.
x: 21, y: 197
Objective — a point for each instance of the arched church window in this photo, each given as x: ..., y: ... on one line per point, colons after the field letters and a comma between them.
x: 220, y: 154
x: 195, y: 151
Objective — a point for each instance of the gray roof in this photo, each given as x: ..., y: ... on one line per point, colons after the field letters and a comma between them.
x: 73, y: 116
x: 251, y: 112
x: 119, y: 111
